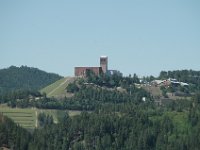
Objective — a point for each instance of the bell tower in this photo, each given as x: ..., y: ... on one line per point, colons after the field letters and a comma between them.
x: 104, y: 63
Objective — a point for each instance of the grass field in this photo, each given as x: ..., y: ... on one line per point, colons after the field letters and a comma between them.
x: 27, y: 117
x: 24, y: 117
x: 58, y: 88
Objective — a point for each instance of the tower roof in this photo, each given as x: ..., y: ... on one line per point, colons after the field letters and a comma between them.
x: 104, y: 56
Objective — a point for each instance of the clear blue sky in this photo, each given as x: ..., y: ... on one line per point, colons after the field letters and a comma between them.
x: 138, y: 36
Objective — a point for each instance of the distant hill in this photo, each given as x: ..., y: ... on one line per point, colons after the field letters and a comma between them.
x: 58, y: 88
x: 28, y: 78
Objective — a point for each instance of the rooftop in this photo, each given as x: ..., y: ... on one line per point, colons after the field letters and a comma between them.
x: 104, y: 56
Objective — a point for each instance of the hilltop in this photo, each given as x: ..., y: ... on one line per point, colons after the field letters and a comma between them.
x: 23, y: 78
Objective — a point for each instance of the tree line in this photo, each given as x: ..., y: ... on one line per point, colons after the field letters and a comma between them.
x: 87, y: 98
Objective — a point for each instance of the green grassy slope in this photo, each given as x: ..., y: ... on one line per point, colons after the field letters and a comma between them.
x: 57, y: 89
x: 27, y: 117
x: 24, y: 117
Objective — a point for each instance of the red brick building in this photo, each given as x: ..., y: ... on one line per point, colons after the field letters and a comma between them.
x: 81, y: 71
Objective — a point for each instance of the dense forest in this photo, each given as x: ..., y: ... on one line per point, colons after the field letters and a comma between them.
x: 24, y: 78
x: 122, y: 118
x: 137, y: 126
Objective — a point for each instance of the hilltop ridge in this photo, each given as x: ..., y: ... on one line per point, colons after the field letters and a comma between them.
x: 25, y: 78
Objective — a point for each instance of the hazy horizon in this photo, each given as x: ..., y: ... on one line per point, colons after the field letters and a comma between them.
x: 142, y: 37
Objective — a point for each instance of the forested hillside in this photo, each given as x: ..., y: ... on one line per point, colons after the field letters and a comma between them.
x: 141, y: 126
x: 116, y: 114
x: 12, y: 136
x: 25, y: 78
x: 88, y: 94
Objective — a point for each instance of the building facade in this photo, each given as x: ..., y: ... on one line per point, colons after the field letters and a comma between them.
x: 82, y: 71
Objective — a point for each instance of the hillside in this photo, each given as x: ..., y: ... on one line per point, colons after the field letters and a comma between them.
x: 187, y: 76
x: 110, y: 119
x: 15, y: 78
x: 58, y: 88
x: 28, y: 117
